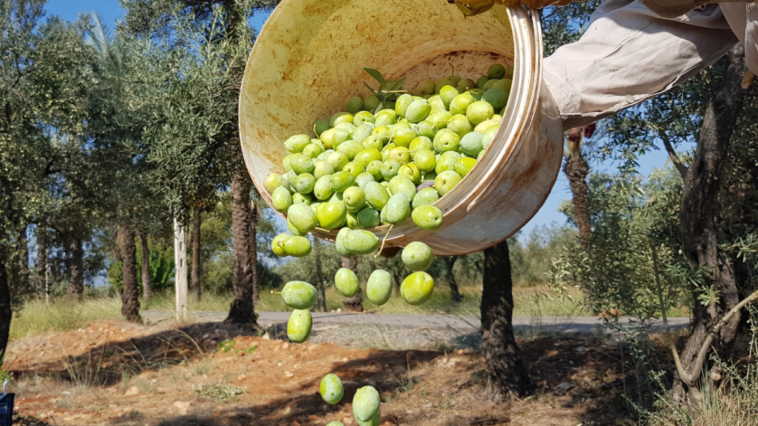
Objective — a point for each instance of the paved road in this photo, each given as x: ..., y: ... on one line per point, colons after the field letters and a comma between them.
x: 567, y: 325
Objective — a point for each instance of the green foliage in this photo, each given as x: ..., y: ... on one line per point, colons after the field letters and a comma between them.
x: 217, y: 257
x: 531, y: 260
x: 43, y: 89
x: 386, y: 92
x: 226, y: 346
x: 563, y: 25
x: 5, y: 376
x: 219, y: 392
x: 629, y: 252
x: 160, y: 262
x: 197, y: 52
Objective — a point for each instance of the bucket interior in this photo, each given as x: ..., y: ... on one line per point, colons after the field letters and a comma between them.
x: 309, y: 58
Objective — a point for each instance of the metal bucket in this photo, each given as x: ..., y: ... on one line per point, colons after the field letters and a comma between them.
x: 308, y: 61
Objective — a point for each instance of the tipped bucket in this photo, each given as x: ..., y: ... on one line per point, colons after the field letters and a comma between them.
x: 308, y: 61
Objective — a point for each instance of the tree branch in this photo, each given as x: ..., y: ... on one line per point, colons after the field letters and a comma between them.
x: 49, y: 167
x: 680, y: 167
x: 690, y: 379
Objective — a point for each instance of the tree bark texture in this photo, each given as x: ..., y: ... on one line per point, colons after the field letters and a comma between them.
x: 254, y: 248
x: 23, y: 267
x: 116, y: 234
x: 147, y: 284
x: 506, y: 376
x: 355, y: 303
x: 41, y: 265
x: 577, y: 170
x: 75, y: 261
x: 319, y: 275
x: 242, y: 310
x: 197, y: 223
x: 699, y: 232
x: 130, y: 296
x: 6, y: 313
x: 455, y: 295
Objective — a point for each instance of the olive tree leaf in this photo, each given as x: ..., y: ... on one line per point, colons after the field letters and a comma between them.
x: 377, y: 76
x: 398, y: 85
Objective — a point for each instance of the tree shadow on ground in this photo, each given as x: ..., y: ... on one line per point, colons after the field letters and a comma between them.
x: 590, y: 366
x: 104, y: 365
x: 391, y: 377
x: 585, y: 374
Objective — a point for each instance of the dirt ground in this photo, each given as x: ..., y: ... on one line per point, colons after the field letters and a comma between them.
x: 114, y: 373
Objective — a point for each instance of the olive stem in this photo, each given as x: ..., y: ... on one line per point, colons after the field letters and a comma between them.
x: 383, y: 240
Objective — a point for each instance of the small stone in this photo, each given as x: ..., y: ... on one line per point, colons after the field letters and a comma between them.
x: 182, y: 407
x: 562, y: 388
x: 266, y: 337
x: 287, y: 374
x: 285, y: 346
x: 134, y: 390
x: 580, y: 349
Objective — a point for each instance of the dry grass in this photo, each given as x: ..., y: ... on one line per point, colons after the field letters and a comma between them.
x: 210, y: 302
x: 529, y: 301
x: 738, y: 405
x: 61, y: 315
x: 733, y: 403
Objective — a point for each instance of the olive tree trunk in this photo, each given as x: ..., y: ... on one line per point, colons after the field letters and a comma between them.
x: 23, y: 270
x: 355, y: 303
x: 41, y: 265
x: 130, y: 296
x: 6, y: 312
x: 319, y: 275
x: 197, y: 222
x: 577, y: 170
x: 147, y: 284
x: 698, y: 222
x: 75, y: 261
x: 254, y: 216
x: 455, y: 295
x: 506, y: 376
x: 242, y: 310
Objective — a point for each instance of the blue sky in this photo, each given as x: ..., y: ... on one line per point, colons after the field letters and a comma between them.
x: 110, y: 12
